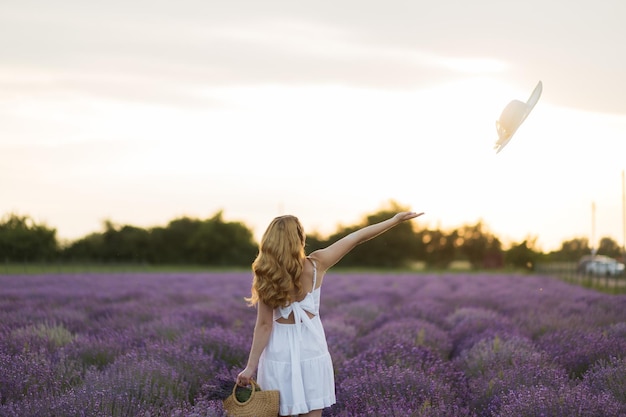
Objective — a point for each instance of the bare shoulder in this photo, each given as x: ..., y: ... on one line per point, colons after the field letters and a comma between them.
x: 319, y: 267
x: 314, y: 257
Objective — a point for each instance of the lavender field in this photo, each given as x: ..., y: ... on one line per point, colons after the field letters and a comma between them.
x: 403, y: 344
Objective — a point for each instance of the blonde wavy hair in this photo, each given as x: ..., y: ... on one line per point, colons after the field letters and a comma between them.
x: 278, y: 266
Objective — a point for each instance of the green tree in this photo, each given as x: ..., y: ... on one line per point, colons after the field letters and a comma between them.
x: 481, y: 247
x: 172, y: 244
x: 439, y: 248
x: 609, y: 247
x: 572, y: 250
x: 125, y: 243
x: 523, y: 255
x: 396, y: 248
x: 88, y: 248
x: 24, y: 240
x: 220, y: 243
x: 116, y: 244
x: 314, y: 242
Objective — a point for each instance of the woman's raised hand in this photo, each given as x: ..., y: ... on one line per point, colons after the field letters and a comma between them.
x: 407, y: 215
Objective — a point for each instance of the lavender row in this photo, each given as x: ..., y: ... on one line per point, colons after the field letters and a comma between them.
x: 402, y: 344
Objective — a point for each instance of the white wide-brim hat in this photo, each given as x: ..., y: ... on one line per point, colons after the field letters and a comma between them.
x: 513, y: 116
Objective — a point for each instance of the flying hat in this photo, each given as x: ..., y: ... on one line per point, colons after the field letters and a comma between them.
x: 513, y: 116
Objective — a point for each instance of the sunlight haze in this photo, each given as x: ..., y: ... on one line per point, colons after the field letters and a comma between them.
x: 141, y: 112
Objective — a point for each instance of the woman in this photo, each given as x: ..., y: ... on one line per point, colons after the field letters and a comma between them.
x: 289, y: 345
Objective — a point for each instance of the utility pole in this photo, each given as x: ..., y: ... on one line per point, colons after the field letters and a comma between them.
x: 623, y: 217
x: 593, y: 229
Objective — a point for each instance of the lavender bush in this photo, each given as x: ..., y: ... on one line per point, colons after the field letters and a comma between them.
x: 464, y: 345
x: 558, y: 401
x: 608, y: 377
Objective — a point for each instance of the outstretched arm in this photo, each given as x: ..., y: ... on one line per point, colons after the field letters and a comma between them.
x: 332, y: 254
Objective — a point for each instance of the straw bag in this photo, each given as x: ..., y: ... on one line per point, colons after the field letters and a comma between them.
x: 260, y: 404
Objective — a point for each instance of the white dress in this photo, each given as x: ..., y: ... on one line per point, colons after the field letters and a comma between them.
x: 296, y: 360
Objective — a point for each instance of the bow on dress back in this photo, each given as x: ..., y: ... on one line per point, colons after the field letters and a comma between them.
x: 310, y: 304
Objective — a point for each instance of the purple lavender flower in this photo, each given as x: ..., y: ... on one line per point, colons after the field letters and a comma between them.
x: 410, y: 332
x: 403, y: 376
x: 402, y: 344
x: 608, y: 376
x: 496, y: 366
x: 577, y: 350
x: 559, y: 401
x: 470, y: 325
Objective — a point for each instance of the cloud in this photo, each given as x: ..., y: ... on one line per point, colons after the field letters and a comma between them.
x: 157, y: 52
x: 155, y: 58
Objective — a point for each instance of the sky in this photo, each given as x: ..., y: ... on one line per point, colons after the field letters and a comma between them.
x: 140, y: 112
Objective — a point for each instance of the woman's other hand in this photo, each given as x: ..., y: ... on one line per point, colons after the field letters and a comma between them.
x: 245, y: 377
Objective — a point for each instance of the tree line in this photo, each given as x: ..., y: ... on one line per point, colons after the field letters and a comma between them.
x: 216, y: 242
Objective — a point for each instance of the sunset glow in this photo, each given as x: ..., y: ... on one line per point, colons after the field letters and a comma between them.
x: 212, y: 108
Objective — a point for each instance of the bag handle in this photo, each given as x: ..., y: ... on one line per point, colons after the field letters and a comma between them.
x: 254, y: 386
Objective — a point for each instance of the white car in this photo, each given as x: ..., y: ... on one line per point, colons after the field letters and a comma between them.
x: 601, y: 265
